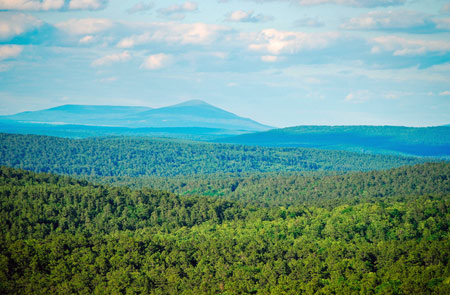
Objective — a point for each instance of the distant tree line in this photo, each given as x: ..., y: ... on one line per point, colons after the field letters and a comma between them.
x: 125, y: 156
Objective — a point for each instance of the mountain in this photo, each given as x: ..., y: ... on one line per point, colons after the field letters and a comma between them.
x: 96, y: 115
x: 193, y: 113
x: 426, y: 141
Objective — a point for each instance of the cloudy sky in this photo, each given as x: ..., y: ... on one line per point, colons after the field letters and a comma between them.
x: 280, y: 62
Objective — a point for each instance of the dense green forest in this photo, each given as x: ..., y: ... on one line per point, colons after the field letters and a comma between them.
x: 60, y: 235
x: 125, y: 156
x: 273, y: 189
x: 184, y: 217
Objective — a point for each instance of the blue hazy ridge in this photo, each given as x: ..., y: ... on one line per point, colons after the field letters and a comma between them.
x: 424, y: 141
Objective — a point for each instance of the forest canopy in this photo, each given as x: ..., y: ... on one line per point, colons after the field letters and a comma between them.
x: 61, y: 235
x: 128, y: 156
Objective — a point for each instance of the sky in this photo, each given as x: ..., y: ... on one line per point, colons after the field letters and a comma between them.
x: 280, y: 62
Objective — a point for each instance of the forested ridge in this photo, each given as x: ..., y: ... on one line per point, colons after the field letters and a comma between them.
x: 278, y: 189
x: 125, y: 156
x: 61, y: 235
x: 398, y: 140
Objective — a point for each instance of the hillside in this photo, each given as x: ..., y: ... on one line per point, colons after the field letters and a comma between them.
x: 59, y: 235
x: 193, y: 113
x: 294, y: 189
x: 124, y: 156
x: 429, y: 141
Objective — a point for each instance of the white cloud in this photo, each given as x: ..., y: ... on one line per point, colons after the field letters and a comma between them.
x: 278, y: 42
x: 14, y: 24
x: 134, y: 40
x: 400, y: 46
x: 173, y: 33
x: 156, y: 61
x: 444, y: 93
x: 397, y: 20
x: 270, y: 58
x: 392, y: 95
x: 85, y: 26
x: 45, y: 5
x: 87, y: 4
x: 392, y: 19
x: 141, y: 6
x: 353, y: 3
x: 309, y: 22
x: 111, y: 59
x: 10, y: 51
x: 359, y: 96
x: 219, y: 54
x: 86, y: 39
x: 108, y: 80
x: 31, y: 4
x: 177, y: 10
x: 247, y: 16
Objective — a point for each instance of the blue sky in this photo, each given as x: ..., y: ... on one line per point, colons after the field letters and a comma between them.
x: 280, y: 62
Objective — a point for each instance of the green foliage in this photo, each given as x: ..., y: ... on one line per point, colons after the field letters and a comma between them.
x: 48, y: 203
x: 65, y: 236
x: 272, y: 189
x: 133, y: 157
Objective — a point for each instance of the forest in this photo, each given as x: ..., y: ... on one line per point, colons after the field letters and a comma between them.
x: 286, y: 189
x: 143, y: 156
x: 138, y: 215
x: 62, y: 235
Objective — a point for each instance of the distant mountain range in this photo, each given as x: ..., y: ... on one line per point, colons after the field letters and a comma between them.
x: 426, y: 141
x: 194, y: 113
x: 198, y: 120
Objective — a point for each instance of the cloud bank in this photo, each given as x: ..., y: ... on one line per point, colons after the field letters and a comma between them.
x: 46, y: 5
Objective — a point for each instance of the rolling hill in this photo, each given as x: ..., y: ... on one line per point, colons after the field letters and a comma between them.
x: 426, y: 141
x: 141, y: 156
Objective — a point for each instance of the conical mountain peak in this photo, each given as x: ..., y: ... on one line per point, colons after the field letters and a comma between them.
x: 193, y: 102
